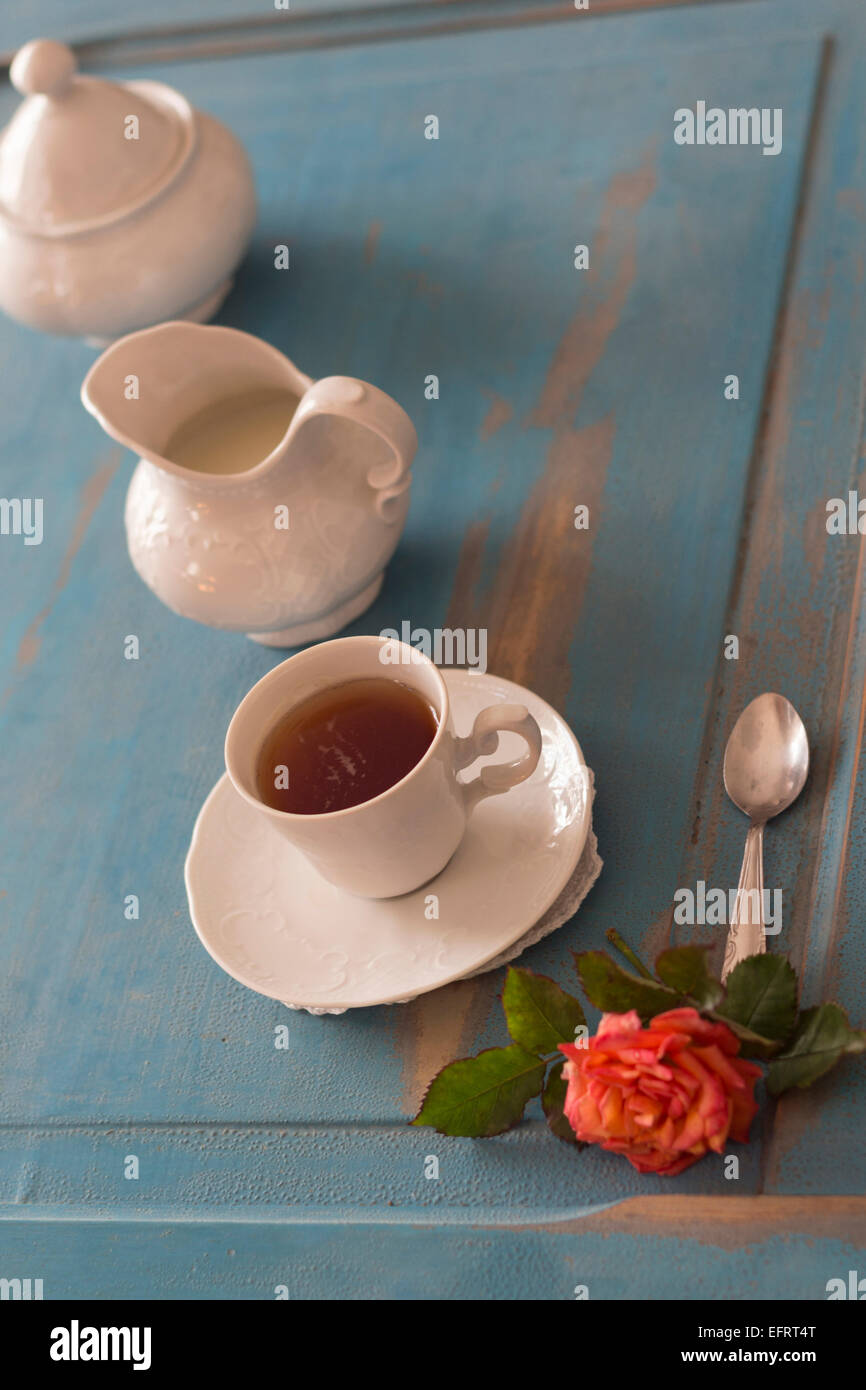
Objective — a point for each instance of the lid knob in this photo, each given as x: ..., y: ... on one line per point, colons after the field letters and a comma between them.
x: 43, y: 66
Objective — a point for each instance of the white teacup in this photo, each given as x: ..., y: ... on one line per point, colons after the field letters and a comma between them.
x: 403, y: 837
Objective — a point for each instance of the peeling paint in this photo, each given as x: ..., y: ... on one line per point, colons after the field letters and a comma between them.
x: 498, y: 414
x: 424, y: 287
x: 92, y: 494
x: 724, y: 1223
x: 613, y: 267
x: 371, y: 243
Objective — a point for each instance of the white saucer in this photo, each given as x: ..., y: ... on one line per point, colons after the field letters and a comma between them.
x: 268, y: 918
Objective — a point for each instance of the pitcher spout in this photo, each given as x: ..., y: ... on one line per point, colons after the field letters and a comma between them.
x: 146, y: 387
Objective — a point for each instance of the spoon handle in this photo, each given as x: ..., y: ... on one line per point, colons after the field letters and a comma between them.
x: 746, y: 936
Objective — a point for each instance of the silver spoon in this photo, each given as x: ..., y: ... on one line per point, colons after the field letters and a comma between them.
x: 766, y: 765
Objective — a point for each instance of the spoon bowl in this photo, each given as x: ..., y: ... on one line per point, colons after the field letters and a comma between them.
x: 766, y: 758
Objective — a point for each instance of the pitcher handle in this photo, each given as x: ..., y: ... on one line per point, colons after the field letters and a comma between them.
x: 366, y: 405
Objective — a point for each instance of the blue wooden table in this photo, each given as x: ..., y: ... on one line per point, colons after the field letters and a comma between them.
x: 262, y: 1169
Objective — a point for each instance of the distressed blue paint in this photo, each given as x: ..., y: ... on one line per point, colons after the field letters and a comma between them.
x: 247, y: 1261
x: 124, y: 1037
x: 358, y: 1172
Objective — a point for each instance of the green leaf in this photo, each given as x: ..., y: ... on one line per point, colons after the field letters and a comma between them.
x: 539, y: 1014
x: 761, y: 994
x: 553, y: 1101
x: 823, y: 1036
x: 615, y: 991
x: 751, y: 1043
x: 624, y: 949
x: 484, y: 1095
x: 684, y: 968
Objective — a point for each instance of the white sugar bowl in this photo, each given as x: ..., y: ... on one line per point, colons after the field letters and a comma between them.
x: 120, y: 205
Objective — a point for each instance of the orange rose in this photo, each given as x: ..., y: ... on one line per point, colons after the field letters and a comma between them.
x: 662, y: 1095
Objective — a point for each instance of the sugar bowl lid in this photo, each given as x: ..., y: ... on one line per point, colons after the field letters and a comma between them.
x: 81, y: 152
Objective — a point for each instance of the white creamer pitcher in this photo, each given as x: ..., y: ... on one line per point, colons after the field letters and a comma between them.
x: 285, y: 497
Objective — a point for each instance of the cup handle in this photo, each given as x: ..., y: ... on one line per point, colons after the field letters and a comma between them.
x: 366, y: 405
x: 484, y: 740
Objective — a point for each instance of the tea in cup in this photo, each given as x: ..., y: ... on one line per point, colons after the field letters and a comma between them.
x: 349, y: 751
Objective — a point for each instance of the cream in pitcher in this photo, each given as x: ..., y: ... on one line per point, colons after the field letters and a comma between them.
x: 263, y: 502
x: 234, y: 434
